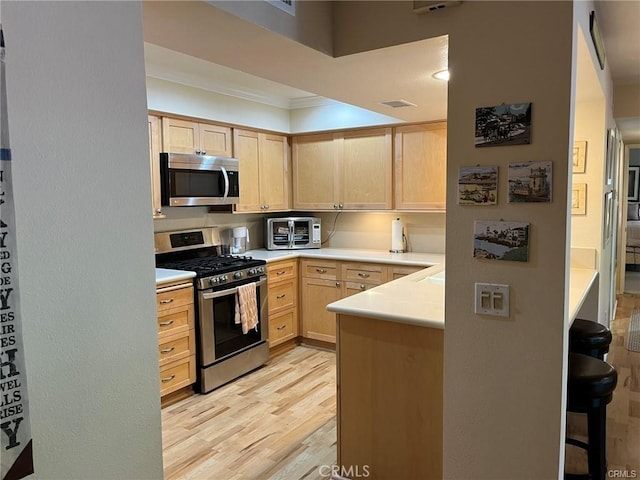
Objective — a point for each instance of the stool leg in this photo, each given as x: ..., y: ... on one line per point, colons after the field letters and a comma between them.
x: 596, y: 423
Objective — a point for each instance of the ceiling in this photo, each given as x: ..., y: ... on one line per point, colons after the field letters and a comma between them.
x: 365, y: 80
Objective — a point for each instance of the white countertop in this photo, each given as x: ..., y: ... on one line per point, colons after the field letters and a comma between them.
x: 352, y: 254
x: 581, y: 280
x: 418, y: 300
x: 412, y: 299
x: 165, y: 275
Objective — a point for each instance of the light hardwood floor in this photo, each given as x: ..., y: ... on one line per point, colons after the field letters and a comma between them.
x: 623, y: 413
x: 277, y: 422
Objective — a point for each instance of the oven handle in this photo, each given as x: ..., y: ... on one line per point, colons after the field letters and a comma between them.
x: 230, y: 291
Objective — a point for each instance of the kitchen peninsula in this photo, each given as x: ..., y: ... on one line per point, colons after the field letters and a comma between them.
x: 390, y: 345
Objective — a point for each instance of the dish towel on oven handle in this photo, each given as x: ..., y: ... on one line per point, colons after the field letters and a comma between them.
x: 247, y: 307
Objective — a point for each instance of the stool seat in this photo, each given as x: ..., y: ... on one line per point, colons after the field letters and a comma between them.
x: 589, y: 379
x: 589, y: 338
x: 590, y: 387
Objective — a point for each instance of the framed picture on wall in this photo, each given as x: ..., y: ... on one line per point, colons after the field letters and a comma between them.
x: 579, y: 199
x: 579, y: 156
x: 632, y: 192
x: 503, y: 125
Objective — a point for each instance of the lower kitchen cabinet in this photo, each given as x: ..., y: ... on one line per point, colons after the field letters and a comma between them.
x: 317, y: 322
x: 282, y: 278
x: 326, y: 281
x: 176, y: 336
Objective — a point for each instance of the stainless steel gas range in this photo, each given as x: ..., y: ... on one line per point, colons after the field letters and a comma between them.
x: 223, y: 351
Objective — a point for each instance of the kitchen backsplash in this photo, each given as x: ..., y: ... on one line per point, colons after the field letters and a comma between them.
x: 370, y: 230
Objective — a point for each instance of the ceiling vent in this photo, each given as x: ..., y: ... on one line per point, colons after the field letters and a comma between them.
x: 398, y: 104
x: 422, y: 6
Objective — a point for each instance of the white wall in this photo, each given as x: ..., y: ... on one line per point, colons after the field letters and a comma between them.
x: 170, y: 97
x: 77, y: 112
x: 335, y: 116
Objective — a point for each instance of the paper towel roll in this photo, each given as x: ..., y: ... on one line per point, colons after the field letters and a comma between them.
x: 396, y: 236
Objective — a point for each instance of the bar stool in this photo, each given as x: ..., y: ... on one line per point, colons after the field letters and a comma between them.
x: 590, y: 388
x: 589, y: 338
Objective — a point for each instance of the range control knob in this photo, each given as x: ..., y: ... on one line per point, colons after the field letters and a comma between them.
x: 214, y: 280
x: 237, y: 275
x: 223, y: 278
x: 253, y: 271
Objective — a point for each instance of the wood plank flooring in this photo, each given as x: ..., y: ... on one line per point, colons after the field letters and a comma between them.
x: 277, y: 422
x: 623, y: 413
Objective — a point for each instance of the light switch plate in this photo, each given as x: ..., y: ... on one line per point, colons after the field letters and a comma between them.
x: 492, y: 299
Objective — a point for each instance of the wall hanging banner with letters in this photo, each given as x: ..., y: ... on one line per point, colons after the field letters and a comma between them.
x: 16, y: 455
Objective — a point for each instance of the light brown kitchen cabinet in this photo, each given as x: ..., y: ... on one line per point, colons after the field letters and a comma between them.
x: 420, y: 165
x: 358, y: 277
x: 266, y: 175
x: 350, y: 170
x: 185, y: 136
x: 155, y: 140
x: 314, y: 172
x: 320, y: 285
x: 326, y: 281
x: 176, y: 336
x: 282, y: 278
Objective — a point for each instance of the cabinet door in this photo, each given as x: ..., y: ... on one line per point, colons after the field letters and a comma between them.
x: 275, y: 175
x: 179, y: 136
x: 246, y: 146
x: 365, y: 169
x: 317, y: 322
x: 421, y: 166
x: 215, y: 140
x: 314, y: 172
x: 154, y: 164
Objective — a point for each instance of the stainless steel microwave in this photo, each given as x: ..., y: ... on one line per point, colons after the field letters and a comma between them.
x: 292, y: 232
x: 193, y: 180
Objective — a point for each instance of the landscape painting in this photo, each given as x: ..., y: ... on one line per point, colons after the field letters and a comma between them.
x: 478, y: 185
x: 499, y: 240
x: 530, y: 182
x: 503, y: 125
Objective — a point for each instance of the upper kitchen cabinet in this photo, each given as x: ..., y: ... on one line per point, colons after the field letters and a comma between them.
x: 155, y: 141
x: 184, y: 136
x: 421, y: 167
x: 264, y: 166
x: 349, y: 170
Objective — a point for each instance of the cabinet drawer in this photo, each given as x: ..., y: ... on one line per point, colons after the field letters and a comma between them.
x: 326, y: 270
x: 285, y: 270
x: 282, y: 296
x: 176, y: 347
x: 364, y: 272
x: 396, y: 272
x: 172, y: 297
x: 351, y: 288
x: 282, y: 327
x: 176, y: 375
x: 175, y: 321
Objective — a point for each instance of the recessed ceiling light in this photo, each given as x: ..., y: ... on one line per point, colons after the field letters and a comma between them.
x: 441, y: 75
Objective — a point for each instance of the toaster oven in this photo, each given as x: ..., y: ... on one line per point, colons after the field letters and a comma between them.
x: 292, y: 232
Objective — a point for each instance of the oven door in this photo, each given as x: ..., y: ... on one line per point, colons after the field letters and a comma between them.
x: 220, y: 336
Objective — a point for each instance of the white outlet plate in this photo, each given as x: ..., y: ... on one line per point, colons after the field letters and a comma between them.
x: 492, y: 299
